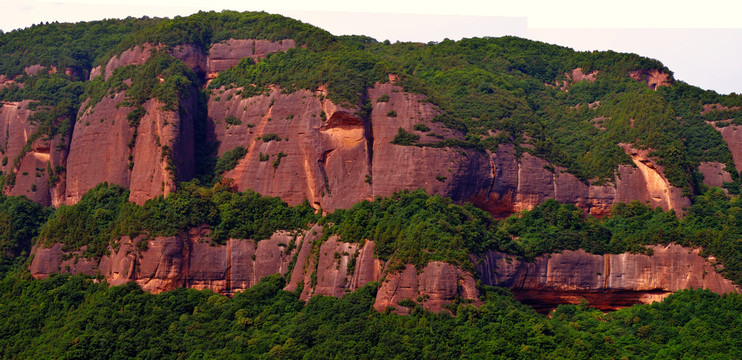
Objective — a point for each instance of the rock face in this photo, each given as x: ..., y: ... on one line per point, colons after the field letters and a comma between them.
x: 30, y: 158
x: 653, y: 78
x: 732, y: 135
x: 332, y: 268
x: 714, y: 173
x: 147, y: 159
x: 226, y: 54
x: 345, y: 158
x: 186, y: 260
x: 608, y: 281
x: 437, y: 284
x: 302, y: 145
x: 291, y: 151
x: 221, y: 56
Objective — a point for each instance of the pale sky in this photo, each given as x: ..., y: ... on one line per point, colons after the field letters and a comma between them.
x: 701, y: 42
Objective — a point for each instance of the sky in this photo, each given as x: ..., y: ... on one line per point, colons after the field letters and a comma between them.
x: 701, y: 42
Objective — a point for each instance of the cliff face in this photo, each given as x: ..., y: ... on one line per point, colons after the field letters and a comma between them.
x: 191, y: 260
x: 221, y: 56
x: 345, y: 158
x: 292, y: 152
x: 147, y: 158
x: 714, y: 173
x: 303, y: 146
x: 226, y: 54
x: 732, y: 135
x: 29, y: 158
x: 334, y: 268
x: 607, y: 281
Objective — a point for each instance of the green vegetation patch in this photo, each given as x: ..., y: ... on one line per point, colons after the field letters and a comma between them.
x: 104, y: 214
x: 162, y: 77
x: 20, y: 220
x: 413, y: 227
x: 229, y: 160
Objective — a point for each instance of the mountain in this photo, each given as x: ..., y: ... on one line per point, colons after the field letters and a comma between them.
x: 182, y: 119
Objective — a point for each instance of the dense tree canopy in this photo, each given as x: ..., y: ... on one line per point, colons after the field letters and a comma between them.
x: 72, y: 317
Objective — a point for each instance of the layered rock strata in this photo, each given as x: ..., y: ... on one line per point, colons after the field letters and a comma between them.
x: 304, y: 146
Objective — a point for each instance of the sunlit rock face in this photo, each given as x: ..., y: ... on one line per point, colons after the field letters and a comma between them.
x: 608, y: 282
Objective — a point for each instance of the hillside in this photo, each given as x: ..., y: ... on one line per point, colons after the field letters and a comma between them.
x: 217, y: 150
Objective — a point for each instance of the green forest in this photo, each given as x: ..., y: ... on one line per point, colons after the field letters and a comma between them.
x: 68, y: 316
x: 488, y: 92
x: 72, y: 317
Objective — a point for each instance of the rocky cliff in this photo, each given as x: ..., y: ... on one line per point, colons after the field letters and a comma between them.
x: 147, y: 158
x: 30, y: 160
x: 344, y: 158
x: 608, y: 282
x: 301, y: 146
x: 333, y: 268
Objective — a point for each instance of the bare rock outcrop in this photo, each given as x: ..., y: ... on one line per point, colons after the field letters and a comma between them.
x: 732, y: 135
x: 654, y: 186
x: 521, y: 184
x: 452, y: 172
x: 221, y: 56
x: 292, y: 151
x: 714, y: 173
x: 186, y: 260
x: 330, y: 268
x: 653, y: 78
x: 344, y: 158
x: 334, y: 268
x: 226, y: 54
x: 437, y: 284
x: 147, y: 158
x: 30, y: 157
x: 573, y: 77
x: 137, y: 55
x: 607, y: 281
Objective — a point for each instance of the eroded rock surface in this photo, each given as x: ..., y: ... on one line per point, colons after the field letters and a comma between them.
x: 437, y: 284
x: 334, y: 268
x: 714, y: 173
x: 302, y: 145
x: 653, y: 78
x: 226, y: 54
x: 147, y: 158
x: 32, y: 158
x: 607, y: 281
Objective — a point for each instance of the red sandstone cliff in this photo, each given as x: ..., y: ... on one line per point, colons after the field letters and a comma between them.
x: 191, y: 260
x: 32, y: 159
x: 653, y: 78
x: 104, y: 148
x: 221, y: 56
x: 606, y: 281
x: 337, y: 162
x: 327, y: 153
x: 333, y: 268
